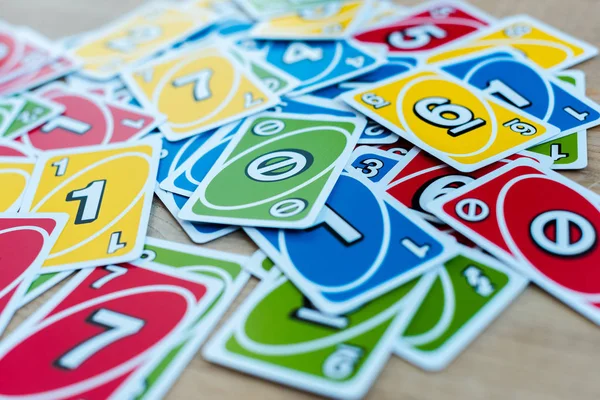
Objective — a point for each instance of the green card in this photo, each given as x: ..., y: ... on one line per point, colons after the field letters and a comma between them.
x: 9, y: 109
x: 155, y: 378
x: 36, y: 111
x: 277, y: 335
x: 568, y: 152
x: 277, y: 172
x: 470, y: 291
x: 260, y: 9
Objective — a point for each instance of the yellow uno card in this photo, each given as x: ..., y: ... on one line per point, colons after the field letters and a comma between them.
x: 334, y: 20
x: 14, y: 177
x: 107, y: 193
x: 198, y: 89
x: 544, y: 45
x: 457, y: 123
x: 138, y: 36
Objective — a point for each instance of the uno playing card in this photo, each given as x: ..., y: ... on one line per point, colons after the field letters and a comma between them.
x: 88, y: 120
x: 510, y: 77
x: 102, y: 326
x: 541, y: 223
x: 278, y: 335
x: 9, y: 110
x: 34, y: 112
x: 198, y: 89
x: 350, y: 256
x: 427, y: 28
x: 160, y: 374
x: 317, y: 64
x: 281, y: 168
x: 107, y: 193
x: 172, y: 156
x: 25, y: 241
x: 15, y: 174
x: 136, y: 37
x: 469, y: 292
x: 568, y: 152
x: 334, y: 20
x: 10, y: 148
x: 542, y: 44
x: 464, y: 127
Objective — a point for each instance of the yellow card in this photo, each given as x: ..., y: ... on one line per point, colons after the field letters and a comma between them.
x: 455, y: 122
x: 107, y: 193
x: 542, y: 44
x: 14, y: 177
x: 138, y: 36
x: 198, y: 89
x: 335, y: 20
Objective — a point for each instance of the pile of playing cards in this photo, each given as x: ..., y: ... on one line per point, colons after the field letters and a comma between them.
x: 394, y: 165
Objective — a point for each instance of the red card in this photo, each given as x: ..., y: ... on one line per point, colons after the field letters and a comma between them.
x: 99, y: 328
x: 49, y: 72
x: 540, y: 222
x: 10, y: 148
x: 25, y: 241
x: 20, y: 53
x: 88, y: 120
x: 428, y: 28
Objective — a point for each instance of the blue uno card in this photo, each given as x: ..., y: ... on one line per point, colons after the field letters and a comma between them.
x: 188, y: 176
x: 316, y: 64
x: 365, y: 245
x: 374, y: 164
x: 510, y: 77
x: 173, y: 155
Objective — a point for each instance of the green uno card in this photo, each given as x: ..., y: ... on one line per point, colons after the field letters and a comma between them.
x: 35, y: 112
x: 277, y: 172
x: 9, y: 109
x: 261, y: 9
x: 155, y: 378
x: 41, y: 284
x: 275, y: 79
x: 278, y: 335
x: 568, y: 152
x: 469, y: 292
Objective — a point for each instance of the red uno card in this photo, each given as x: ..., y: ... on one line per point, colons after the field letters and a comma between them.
x: 427, y: 28
x: 88, y: 120
x: 25, y: 241
x: 538, y: 221
x: 56, y: 69
x: 106, y: 322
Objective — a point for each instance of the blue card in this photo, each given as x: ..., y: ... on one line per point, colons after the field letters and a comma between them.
x: 364, y: 245
x: 173, y: 155
x: 186, y: 178
x: 512, y: 78
x: 316, y: 64
x: 373, y: 163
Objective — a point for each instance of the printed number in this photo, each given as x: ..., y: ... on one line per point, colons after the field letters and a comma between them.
x: 68, y: 124
x: 356, y: 62
x: 556, y: 152
x: 339, y: 227
x: 117, y: 325
x: 90, y: 199
x: 525, y: 129
x: 419, y: 36
x: 375, y: 101
x: 250, y: 101
x: 61, y: 166
x: 201, y: 81
x: 297, y: 52
x: 419, y: 251
x: 341, y: 364
x: 29, y: 117
x: 374, y: 129
x: 310, y: 314
x: 478, y: 281
x: 114, y: 243
x: 436, y: 110
x: 442, y: 12
x: 279, y: 165
x: 115, y: 272
x: 135, y: 37
x: 134, y: 124
x: 496, y: 86
x: 575, y: 114
x: 371, y: 167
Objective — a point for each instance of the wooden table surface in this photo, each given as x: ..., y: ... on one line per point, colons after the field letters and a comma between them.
x: 537, y: 349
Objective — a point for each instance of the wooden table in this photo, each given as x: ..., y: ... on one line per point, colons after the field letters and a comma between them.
x: 537, y: 349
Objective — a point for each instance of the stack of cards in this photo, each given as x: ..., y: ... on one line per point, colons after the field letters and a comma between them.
x: 394, y: 166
